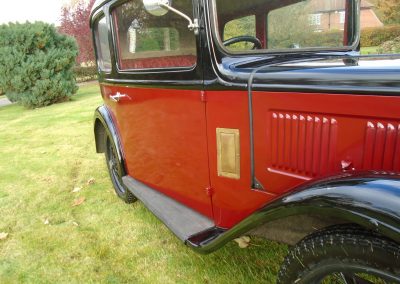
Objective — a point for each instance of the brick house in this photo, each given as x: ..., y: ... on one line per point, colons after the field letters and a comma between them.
x: 330, y: 15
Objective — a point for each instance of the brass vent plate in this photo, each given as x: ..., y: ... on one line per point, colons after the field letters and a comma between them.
x: 228, y: 153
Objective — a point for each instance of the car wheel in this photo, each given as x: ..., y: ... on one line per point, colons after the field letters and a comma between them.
x: 342, y: 254
x: 116, y: 172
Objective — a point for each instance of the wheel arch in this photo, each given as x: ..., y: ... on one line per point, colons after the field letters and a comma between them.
x: 369, y: 199
x: 104, y: 126
x: 287, y: 230
x: 99, y: 136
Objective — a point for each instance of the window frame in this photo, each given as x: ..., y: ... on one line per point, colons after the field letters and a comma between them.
x: 216, y: 37
x: 100, y: 15
x: 342, y: 17
x: 316, y: 19
x: 114, y: 33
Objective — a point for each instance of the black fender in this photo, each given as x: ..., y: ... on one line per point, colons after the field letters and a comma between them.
x: 104, y: 125
x: 368, y: 199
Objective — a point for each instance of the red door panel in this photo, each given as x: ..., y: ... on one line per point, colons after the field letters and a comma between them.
x: 233, y: 199
x: 163, y: 133
x: 299, y: 136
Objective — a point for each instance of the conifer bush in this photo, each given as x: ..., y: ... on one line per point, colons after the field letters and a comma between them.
x: 36, y: 64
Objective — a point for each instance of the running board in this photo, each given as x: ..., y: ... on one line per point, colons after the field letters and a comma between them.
x: 181, y: 220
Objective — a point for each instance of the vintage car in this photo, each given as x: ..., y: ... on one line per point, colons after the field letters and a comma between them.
x: 258, y: 117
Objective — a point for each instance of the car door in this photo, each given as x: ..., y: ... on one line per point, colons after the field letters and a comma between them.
x: 309, y: 115
x: 327, y: 116
x: 159, y: 109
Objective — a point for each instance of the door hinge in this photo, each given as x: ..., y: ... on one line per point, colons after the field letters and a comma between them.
x: 203, y: 96
x: 209, y: 191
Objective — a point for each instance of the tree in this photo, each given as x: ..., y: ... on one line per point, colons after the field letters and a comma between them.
x: 75, y: 22
x: 36, y: 64
x: 390, y: 10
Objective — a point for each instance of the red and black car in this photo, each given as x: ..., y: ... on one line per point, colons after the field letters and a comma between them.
x: 230, y: 117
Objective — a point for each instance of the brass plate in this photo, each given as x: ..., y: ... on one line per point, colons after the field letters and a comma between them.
x: 228, y: 153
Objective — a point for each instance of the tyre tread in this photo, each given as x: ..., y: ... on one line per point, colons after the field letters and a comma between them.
x: 302, y: 258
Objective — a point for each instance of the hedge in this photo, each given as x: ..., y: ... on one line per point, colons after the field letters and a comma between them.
x: 84, y: 74
x: 323, y: 39
x: 377, y: 36
x: 36, y: 64
x: 369, y: 37
x: 391, y: 46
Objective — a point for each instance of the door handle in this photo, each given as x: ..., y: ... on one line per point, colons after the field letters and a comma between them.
x: 117, y: 97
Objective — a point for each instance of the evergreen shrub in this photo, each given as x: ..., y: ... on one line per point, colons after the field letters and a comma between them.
x: 36, y: 64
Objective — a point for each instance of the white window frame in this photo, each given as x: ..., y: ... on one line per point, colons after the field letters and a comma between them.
x: 315, y: 19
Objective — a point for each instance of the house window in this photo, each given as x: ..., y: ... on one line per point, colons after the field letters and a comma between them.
x: 342, y: 17
x: 102, y: 45
x: 315, y: 19
x: 145, y: 41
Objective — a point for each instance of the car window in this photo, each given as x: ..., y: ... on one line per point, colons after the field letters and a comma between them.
x: 380, y: 27
x: 145, y: 41
x: 240, y: 27
x: 291, y: 24
x: 102, y: 45
x: 307, y: 24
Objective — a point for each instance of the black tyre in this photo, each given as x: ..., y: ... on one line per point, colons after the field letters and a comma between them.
x: 342, y: 254
x: 116, y: 172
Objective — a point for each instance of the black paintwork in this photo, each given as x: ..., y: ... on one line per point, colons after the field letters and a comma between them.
x: 104, y: 125
x: 183, y: 221
x: 370, y: 199
x: 372, y: 75
x: 228, y: 71
x: 178, y: 78
x: 220, y: 70
x: 98, y: 4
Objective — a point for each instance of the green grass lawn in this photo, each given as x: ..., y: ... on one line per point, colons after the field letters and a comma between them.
x: 45, y: 154
x: 369, y: 50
